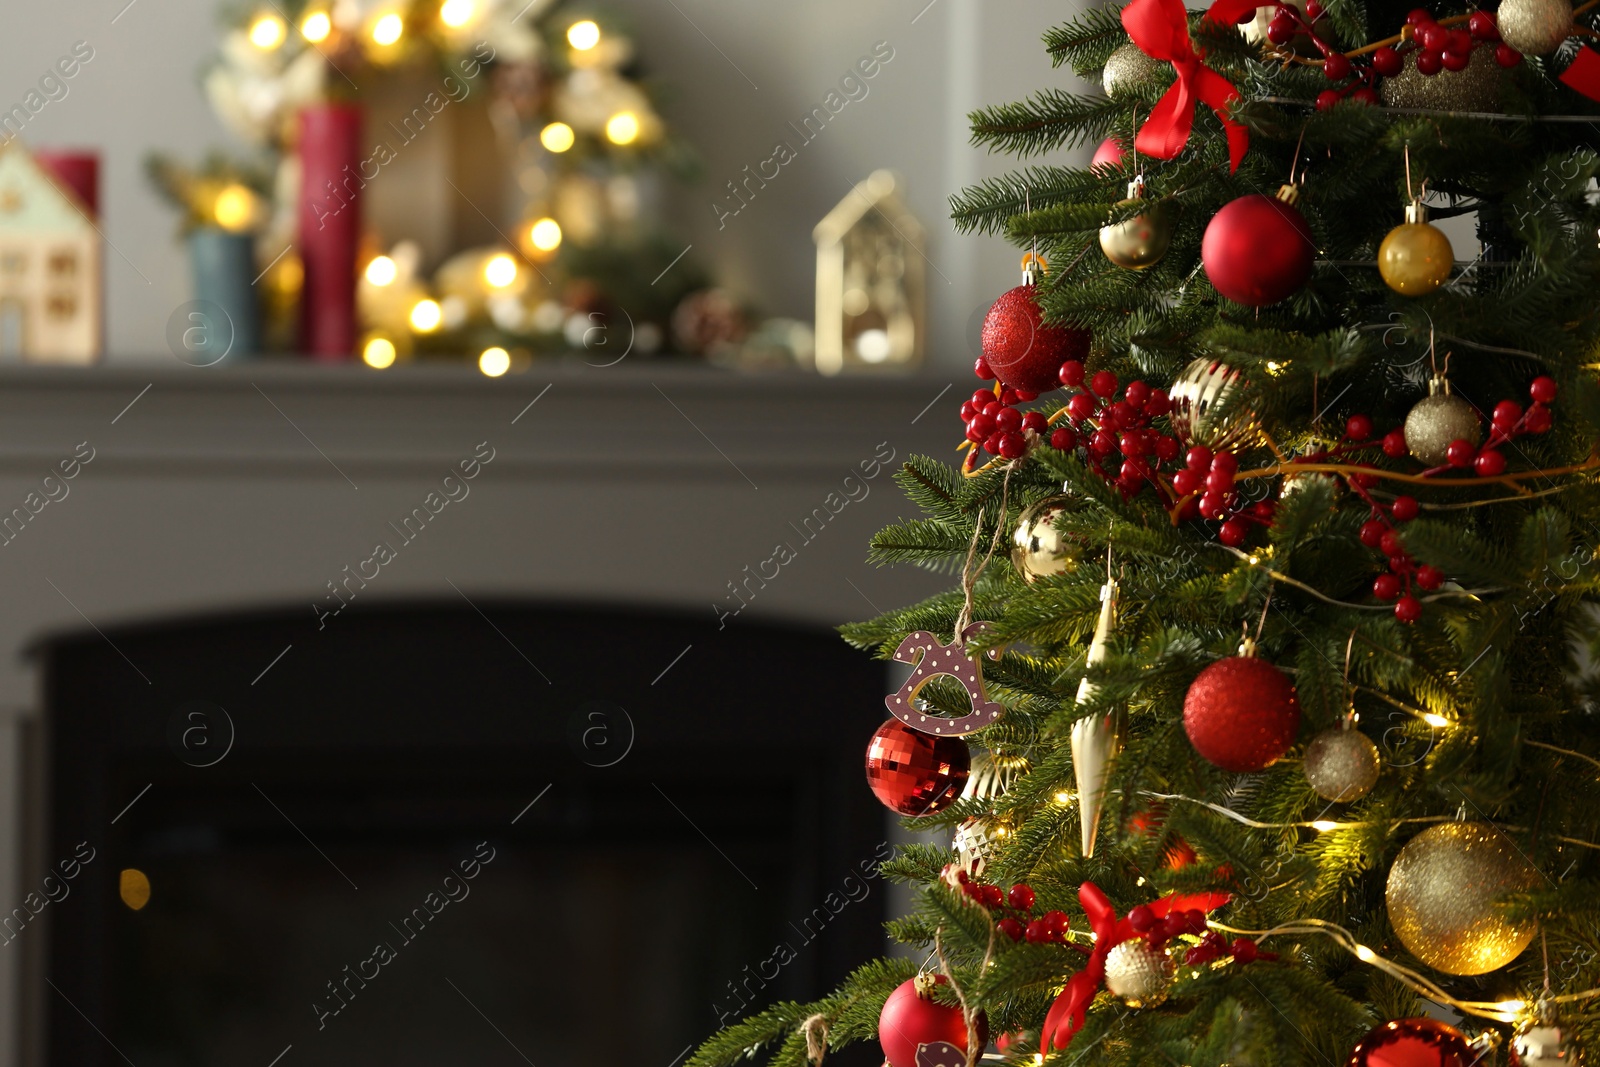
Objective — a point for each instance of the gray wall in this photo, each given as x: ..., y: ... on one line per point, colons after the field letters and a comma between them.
x: 140, y: 92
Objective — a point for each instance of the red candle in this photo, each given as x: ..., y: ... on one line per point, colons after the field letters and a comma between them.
x: 330, y: 225
x: 78, y: 171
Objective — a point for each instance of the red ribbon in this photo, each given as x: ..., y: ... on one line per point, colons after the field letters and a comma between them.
x: 1583, y: 74
x: 1161, y: 30
x: 1066, y: 1015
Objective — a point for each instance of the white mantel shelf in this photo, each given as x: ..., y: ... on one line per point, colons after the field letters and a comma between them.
x: 616, y: 422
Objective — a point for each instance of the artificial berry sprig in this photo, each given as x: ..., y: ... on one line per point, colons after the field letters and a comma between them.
x: 1052, y: 927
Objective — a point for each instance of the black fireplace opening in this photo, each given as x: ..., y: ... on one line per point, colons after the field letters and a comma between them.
x: 422, y: 834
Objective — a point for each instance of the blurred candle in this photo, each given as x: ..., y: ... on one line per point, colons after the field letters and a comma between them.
x: 330, y: 223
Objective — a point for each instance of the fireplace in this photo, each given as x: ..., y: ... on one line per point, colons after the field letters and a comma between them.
x: 436, y: 832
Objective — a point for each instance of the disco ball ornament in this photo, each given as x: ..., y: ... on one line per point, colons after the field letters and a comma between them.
x: 1023, y: 352
x: 1129, y: 70
x: 1442, y: 895
x: 1475, y: 88
x: 1413, y: 1043
x: 1141, y: 241
x: 1258, y: 249
x: 1241, y: 713
x: 914, y: 773
x: 1038, y: 549
x: 1139, y: 973
x: 1438, y: 419
x: 1341, y: 764
x: 911, y: 1018
x: 1542, y: 1046
x: 1416, y: 257
x: 1534, y: 27
x: 1205, y: 410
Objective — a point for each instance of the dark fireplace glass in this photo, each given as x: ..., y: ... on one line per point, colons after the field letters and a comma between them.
x: 427, y: 835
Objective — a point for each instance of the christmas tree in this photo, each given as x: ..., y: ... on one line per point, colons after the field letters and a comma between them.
x: 1261, y: 710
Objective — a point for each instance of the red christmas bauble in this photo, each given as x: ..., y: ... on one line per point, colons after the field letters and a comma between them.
x: 1413, y: 1043
x: 910, y: 1020
x: 1022, y: 351
x: 1257, y: 250
x: 1241, y: 714
x: 1109, y: 155
x: 915, y: 773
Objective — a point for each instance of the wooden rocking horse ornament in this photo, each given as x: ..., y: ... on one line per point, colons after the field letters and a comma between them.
x: 933, y: 658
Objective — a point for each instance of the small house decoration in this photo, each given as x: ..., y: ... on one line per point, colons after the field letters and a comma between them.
x: 50, y: 266
x: 870, y: 280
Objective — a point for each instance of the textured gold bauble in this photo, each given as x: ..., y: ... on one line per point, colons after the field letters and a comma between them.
x: 1129, y: 69
x: 1477, y: 88
x: 1543, y: 1046
x: 1442, y: 892
x: 1341, y: 765
x: 1204, y: 411
x: 1141, y: 241
x: 1038, y: 549
x: 1416, y: 257
x: 1534, y: 27
x: 1139, y: 973
x: 1438, y: 419
x: 977, y: 841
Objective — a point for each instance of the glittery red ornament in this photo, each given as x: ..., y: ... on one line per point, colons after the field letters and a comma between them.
x: 1022, y: 351
x: 1413, y: 1043
x: 911, y: 1018
x: 1241, y: 714
x: 915, y: 773
x: 1258, y: 249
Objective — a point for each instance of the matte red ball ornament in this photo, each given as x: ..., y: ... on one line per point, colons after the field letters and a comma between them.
x: 1108, y: 155
x: 1258, y: 249
x: 1413, y: 1043
x: 915, y: 773
x: 1023, y: 352
x: 1241, y: 713
x: 912, y: 1018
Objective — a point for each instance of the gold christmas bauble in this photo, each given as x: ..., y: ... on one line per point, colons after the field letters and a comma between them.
x: 1477, y: 88
x: 1416, y: 257
x: 1534, y: 27
x: 1141, y: 241
x: 1129, y: 69
x: 1341, y: 765
x: 1139, y: 973
x: 1443, y: 888
x: 1438, y: 419
x: 1543, y: 1046
x: 977, y: 841
x: 1038, y: 549
x: 1204, y: 411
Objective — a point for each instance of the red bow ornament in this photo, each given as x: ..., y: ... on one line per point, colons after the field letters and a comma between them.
x: 1066, y: 1015
x: 1160, y: 28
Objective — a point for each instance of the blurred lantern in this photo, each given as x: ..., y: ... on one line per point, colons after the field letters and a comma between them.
x: 870, y: 284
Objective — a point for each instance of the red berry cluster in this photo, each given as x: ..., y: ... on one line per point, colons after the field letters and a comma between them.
x: 1379, y: 532
x: 1049, y: 928
x: 1439, y: 45
x: 1205, y: 488
x: 1116, y: 433
x: 1213, y: 946
x: 995, y: 425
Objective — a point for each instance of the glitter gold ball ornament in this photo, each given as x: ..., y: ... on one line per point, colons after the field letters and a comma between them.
x: 1038, y: 549
x: 1204, y: 411
x: 1413, y: 1043
x: 1341, y: 764
x: 1258, y: 249
x: 1141, y: 241
x: 1241, y: 713
x: 1139, y: 973
x: 1534, y: 27
x: 915, y: 773
x: 1542, y: 1046
x: 1438, y: 419
x: 1416, y: 257
x: 1443, y: 888
x: 1476, y: 88
x: 1129, y: 69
